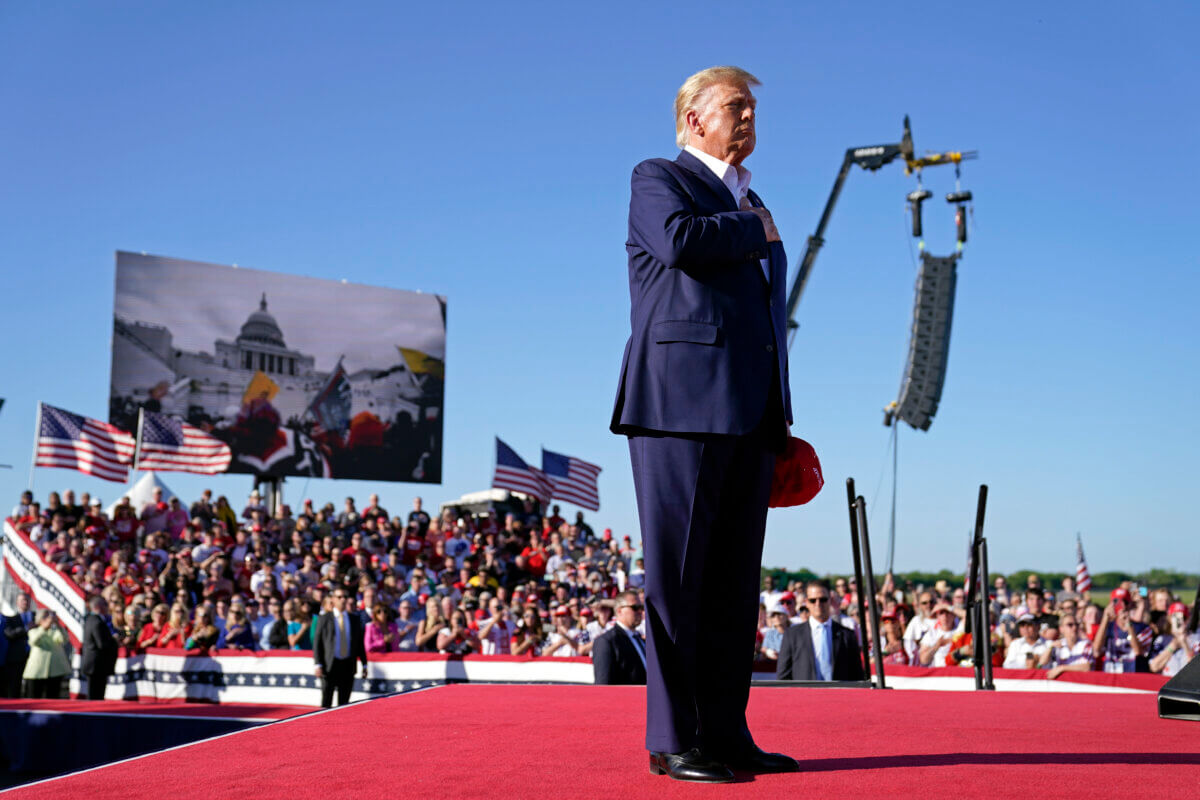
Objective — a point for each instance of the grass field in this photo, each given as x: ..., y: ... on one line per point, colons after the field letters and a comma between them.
x: 1100, y: 596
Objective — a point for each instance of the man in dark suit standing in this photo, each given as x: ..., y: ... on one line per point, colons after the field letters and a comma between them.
x: 704, y: 400
x: 98, y: 659
x: 619, y: 654
x: 337, y: 644
x: 819, y: 649
x: 14, y: 652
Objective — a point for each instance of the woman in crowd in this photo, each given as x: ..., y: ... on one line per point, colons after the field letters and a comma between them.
x: 152, y: 630
x: 125, y: 524
x: 129, y: 632
x: 530, y: 636
x: 277, y: 638
x: 176, y: 631
x: 238, y: 635
x: 205, y: 632
x: 299, y: 626
x: 457, y: 638
x: 225, y: 514
x: 382, y: 635
x: 1071, y: 652
x: 427, y: 631
x: 48, y: 662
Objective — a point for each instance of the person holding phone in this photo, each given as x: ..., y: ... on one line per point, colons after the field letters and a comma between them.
x: 1184, y: 641
x: 1121, y: 644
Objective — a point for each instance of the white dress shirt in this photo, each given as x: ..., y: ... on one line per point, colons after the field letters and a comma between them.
x: 737, y: 180
x: 822, y: 642
x: 639, y: 643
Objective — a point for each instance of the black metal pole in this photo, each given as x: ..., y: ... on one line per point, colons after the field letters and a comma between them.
x: 865, y: 540
x: 987, y: 625
x: 974, y: 613
x: 858, y: 580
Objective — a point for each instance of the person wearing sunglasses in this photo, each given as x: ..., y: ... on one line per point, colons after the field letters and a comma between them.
x: 619, y: 654
x: 1072, y: 652
x: 821, y: 649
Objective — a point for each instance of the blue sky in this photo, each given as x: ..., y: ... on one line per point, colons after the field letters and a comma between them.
x: 483, y: 151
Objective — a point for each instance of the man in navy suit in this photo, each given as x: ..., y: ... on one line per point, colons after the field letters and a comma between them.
x: 619, y: 654
x: 704, y: 400
x: 819, y: 649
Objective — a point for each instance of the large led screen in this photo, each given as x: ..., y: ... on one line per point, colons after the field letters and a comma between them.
x: 299, y: 376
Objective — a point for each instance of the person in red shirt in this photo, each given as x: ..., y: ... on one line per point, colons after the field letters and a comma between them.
x: 125, y: 524
x: 152, y: 631
x: 535, y: 557
x: 177, y: 630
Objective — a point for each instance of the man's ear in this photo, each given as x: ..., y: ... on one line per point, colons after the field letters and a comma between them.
x: 693, y: 122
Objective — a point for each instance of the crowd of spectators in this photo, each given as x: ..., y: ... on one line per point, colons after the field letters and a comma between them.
x: 1139, y: 629
x: 211, y: 577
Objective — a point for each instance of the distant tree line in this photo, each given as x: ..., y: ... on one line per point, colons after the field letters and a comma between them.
x: 1172, y: 579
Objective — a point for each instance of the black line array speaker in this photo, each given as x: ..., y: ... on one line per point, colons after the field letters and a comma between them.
x: 1180, y: 698
x: 929, y: 345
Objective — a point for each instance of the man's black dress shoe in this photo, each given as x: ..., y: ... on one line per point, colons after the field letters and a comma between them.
x: 759, y: 761
x: 690, y: 766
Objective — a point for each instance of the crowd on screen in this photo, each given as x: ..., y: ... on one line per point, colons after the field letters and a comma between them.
x: 210, y: 576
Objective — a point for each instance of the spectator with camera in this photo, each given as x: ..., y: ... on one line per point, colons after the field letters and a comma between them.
x: 1122, y: 644
x: 1183, y: 641
x: 1029, y: 650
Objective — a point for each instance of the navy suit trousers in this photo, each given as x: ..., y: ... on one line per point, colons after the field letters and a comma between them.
x: 702, y: 505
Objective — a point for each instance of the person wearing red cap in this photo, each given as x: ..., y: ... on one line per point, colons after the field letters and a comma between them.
x: 1121, y: 644
x: 1183, y: 641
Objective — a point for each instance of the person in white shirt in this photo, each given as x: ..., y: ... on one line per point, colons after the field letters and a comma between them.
x: 564, y: 640
x: 637, y: 575
x: 769, y: 597
x: 918, y: 626
x: 1029, y: 651
x: 495, y: 632
x: 936, y: 643
x: 458, y: 548
x: 603, y: 621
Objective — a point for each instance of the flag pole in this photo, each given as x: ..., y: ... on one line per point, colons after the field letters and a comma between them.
x: 137, y: 445
x: 37, y: 429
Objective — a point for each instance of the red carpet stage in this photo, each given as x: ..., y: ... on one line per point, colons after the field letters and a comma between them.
x: 585, y: 741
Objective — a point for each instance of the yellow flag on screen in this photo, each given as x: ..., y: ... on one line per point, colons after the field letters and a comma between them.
x: 260, y: 386
x: 421, y: 364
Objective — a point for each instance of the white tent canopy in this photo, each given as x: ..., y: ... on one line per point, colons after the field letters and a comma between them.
x: 141, y: 492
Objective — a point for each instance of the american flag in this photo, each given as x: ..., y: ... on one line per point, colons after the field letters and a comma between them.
x: 1083, y: 580
x: 573, y: 480
x: 88, y: 445
x: 169, y: 445
x: 514, y: 474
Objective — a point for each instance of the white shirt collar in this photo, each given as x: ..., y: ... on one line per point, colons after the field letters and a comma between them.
x: 815, y: 624
x: 735, y: 178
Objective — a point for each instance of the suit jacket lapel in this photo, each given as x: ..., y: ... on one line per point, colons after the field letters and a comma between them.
x: 696, y: 166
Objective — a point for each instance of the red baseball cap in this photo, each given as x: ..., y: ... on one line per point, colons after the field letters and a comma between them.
x: 797, y: 477
x: 1177, y: 607
x: 1120, y: 593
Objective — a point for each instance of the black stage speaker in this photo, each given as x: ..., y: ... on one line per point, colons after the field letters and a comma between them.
x: 929, y: 346
x: 1180, y: 698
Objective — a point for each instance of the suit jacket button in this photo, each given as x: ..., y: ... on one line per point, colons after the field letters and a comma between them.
x: 770, y: 348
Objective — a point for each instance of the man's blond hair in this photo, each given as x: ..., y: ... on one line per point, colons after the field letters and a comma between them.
x: 688, y: 96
